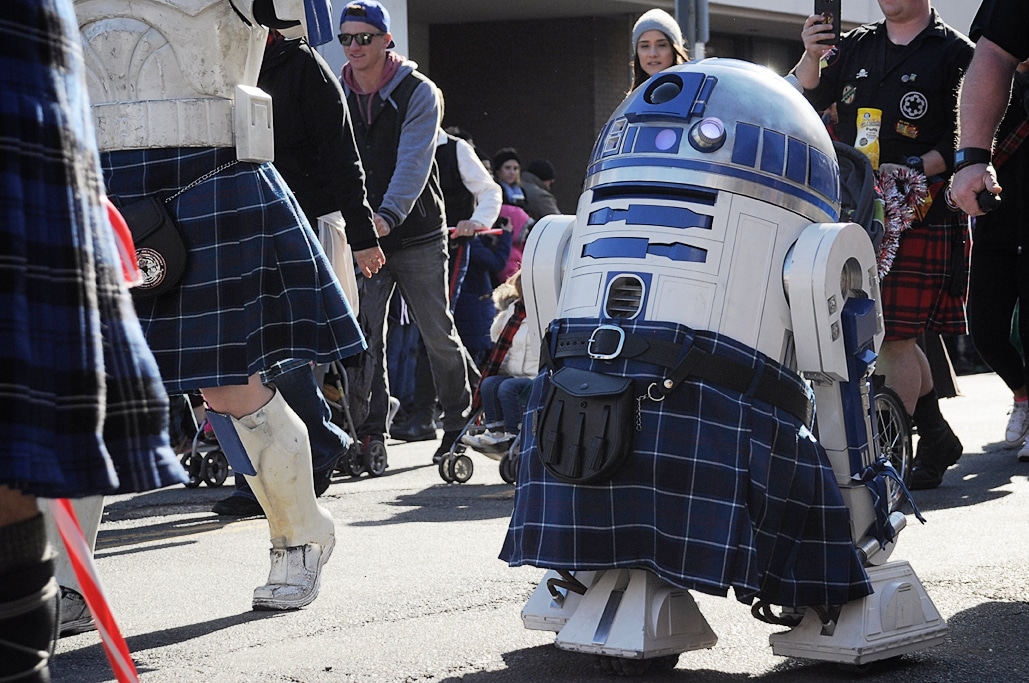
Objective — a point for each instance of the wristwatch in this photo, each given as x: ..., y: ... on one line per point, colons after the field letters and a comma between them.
x: 915, y: 163
x: 969, y: 156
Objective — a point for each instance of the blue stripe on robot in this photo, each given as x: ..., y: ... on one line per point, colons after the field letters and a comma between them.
x: 639, y: 247
x: 741, y: 174
x: 647, y: 214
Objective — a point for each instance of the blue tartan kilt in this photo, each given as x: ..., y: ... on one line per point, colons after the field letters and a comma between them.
x: 721, y: 490
x: 82, y: 407
x: 257, y: 287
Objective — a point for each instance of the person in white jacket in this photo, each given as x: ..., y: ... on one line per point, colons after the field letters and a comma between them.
x: 508, y: 373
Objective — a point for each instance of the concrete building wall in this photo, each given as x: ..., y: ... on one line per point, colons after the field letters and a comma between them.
x: 544, y: 89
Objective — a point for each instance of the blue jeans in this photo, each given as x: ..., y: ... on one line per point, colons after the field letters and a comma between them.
x: 502, y: 400
x: 420, y: 272
x: 295, y: 380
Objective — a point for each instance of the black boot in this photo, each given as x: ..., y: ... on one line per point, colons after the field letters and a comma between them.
x: 29, y: 603
x: 938, y: 446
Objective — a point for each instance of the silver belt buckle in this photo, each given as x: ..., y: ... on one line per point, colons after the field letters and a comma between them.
x: 606, y: 356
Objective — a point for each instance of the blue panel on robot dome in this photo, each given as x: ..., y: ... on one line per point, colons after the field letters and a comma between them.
x: 773, y: 151
x: 662, y: 140
x: 648, y: 214
x: 630, y: 138
x: 644, y: 108
x: 825, y: 175
x: 796, y: 161
x: 616, y: 247
x: 679, y: 252
x: 705, y: 94
x: 744, y: 149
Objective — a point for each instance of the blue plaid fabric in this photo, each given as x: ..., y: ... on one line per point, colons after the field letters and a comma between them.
x: 82, y: 408
x: 257, y: 287
x: 721, y: 490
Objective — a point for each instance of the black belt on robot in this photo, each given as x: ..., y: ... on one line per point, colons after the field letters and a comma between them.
x: 609, y: 342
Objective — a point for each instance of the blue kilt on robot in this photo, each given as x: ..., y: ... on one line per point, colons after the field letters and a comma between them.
x: 691, y: 315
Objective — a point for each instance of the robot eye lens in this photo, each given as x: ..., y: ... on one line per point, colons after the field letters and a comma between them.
x: 708, y: 135
x: 664, y: 92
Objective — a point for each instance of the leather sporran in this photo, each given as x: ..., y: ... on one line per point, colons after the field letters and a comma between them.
x: 586, y: 425
x: 160, y: 250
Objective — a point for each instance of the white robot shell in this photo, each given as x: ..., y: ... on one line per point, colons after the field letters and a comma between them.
x: 698, y: 186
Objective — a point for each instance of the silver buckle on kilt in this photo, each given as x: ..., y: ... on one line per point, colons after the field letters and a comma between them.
x: 595, y: 341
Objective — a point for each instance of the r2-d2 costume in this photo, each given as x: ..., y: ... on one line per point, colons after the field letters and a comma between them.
x: 178, y: 118
x: 703, y: 278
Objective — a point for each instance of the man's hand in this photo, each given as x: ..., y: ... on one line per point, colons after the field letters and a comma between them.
x: 467, y: 228
x: 890, y: 169
x: 381, y: 226
x: 370, y: 260
x: 816, y: 29
x: 970, y: 181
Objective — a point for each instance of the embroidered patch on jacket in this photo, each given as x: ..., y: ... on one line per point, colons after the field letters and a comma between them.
x: 908, y: 130
x: 914, y: 105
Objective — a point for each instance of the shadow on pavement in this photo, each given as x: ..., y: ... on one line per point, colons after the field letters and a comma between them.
x: 443, y: 503
x: 89, y: 664
x: 976, y: 478
x: 984, y: 644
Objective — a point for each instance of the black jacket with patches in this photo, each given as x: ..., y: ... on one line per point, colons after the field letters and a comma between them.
x: 914, y: 85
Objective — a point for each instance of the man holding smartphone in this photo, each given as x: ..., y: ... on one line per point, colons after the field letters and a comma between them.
x: 903, y: 72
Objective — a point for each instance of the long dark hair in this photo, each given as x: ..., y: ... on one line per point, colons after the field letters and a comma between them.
x: 639, y: 76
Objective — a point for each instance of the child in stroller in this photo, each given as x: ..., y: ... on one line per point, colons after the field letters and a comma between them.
x: 506, y: 375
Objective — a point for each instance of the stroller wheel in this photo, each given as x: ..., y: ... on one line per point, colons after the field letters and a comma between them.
x: 375, y: 458
x: 192, y: 463
x: 461, y: 468
x: 353, y: 460
x: 508, y: 469
x: 446, y: 469
x: 215, y: 468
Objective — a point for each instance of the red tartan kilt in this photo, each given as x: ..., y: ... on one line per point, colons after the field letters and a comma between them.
x: 915, y: 293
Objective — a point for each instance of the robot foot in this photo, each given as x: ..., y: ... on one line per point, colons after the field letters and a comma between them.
x: 897, y: 618
x: 620, y: 614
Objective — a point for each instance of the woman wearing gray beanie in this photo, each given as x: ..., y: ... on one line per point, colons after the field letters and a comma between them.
x: 657, y: 44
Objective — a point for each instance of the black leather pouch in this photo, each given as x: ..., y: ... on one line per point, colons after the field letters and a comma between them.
x: 160, y: 250
x: 586, y: 426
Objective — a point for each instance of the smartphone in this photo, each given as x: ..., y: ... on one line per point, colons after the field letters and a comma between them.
x: 830, y: 11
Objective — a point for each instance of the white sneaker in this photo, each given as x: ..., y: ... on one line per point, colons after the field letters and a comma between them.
x: 1023, y: 453
x: 295, y: 577
x: 496, y: 438
x: 1018, y: 424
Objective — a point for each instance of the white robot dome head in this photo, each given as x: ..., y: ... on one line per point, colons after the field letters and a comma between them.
x: 728, y: 124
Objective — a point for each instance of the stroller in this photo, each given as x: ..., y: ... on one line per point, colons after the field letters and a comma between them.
x: 203, y: 459
x: 360, y: 458
x: 457, y: 467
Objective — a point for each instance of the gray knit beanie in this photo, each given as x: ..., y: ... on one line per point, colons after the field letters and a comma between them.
x: 657, y: 20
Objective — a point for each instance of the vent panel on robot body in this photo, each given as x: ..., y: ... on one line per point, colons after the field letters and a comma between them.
x: 704, y: 230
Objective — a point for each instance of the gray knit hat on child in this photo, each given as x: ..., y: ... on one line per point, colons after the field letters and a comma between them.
x: 657, y: 20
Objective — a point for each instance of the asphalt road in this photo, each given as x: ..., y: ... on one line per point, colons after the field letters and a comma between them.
x: 415, y: 592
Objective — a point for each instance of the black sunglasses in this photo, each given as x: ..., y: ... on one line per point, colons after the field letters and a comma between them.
x: 362, y: 38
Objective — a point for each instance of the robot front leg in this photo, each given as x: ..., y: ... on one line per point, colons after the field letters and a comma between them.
x: 625, y: 614
x: 837, y: 323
